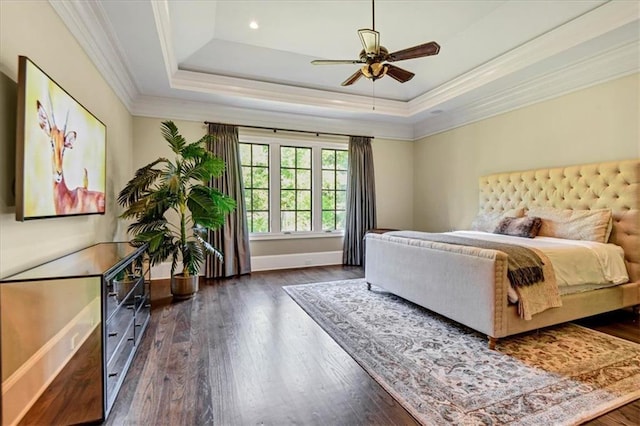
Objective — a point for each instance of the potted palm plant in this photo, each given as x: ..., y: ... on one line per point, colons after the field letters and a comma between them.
x: 173, y: 208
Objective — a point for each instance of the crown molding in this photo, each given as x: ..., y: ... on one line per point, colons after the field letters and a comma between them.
x: 609, y: 65
x: 161, y: 17
x: 605, y: 18
x: 278, y: 93
x: 150, y: 106
x: 87, y: 22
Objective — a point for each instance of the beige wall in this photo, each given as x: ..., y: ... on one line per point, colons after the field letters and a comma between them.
x: 33, y: 29
x: 393, y: 170
x: 600, y: 123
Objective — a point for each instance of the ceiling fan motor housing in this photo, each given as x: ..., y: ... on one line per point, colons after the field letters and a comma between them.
x: 382, y: 56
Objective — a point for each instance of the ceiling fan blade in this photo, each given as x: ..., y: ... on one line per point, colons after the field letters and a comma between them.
x: 370, y: 41
x: 336, y: 61
x: 398, y: 73
x: 427, y: 49
x: 354, y: 77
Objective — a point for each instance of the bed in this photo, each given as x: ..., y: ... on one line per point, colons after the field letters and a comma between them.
x: 470, y: 285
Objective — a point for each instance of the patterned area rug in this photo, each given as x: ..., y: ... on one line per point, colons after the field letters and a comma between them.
x: 444, y: 373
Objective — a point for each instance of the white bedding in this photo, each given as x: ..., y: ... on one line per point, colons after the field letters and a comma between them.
x: 574, y: 262
x: 578, y: 265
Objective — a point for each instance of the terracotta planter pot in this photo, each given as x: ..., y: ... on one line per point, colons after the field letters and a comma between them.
x: 184, y: 287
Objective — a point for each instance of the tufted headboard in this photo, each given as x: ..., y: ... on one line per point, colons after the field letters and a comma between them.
x: 614, y: 185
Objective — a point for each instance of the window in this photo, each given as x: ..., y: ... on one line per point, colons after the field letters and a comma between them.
x: 254, y: 159
x: 334, y: 189
x: 293, y: 187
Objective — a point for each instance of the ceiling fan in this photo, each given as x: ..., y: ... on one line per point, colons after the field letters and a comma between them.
x: 375, y: 57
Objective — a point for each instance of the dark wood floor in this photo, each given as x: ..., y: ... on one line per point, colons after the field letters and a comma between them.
x: 242, y: 352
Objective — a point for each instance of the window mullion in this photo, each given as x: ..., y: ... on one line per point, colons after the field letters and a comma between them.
x: 274, y: 187
x: 316, y: 189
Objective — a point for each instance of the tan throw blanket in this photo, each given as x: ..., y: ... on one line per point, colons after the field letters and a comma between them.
x: 529, y: 271
x: 542, y: 296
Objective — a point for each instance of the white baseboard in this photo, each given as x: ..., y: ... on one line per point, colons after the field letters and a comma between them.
x: 163, y: 271
x: 297, y: 260
x: 23, y: 388
x: 269, y: 263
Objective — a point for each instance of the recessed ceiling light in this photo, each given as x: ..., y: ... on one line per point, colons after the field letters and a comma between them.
x: 253, y: 25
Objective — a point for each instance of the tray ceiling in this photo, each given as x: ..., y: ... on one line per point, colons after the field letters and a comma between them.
x: 191, y: 59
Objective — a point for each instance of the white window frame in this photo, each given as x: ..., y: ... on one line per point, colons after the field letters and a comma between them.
x: 274, y: 186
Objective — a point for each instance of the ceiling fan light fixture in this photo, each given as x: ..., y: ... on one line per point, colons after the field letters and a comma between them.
x: 366, y: 71
x: 374, y: 71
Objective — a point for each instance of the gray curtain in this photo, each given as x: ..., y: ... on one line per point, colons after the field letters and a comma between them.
x: 361, y: 200
x: 233, y: 238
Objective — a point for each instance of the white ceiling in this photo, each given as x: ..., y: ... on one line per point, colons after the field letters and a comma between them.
x: 200, y: 60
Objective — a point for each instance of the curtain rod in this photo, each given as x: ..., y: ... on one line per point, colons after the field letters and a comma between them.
x: 275, y: 129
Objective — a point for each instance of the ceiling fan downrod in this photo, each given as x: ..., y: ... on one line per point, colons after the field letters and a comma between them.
x: 373, y: 14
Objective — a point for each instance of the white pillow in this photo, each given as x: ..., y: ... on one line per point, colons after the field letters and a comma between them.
x: 587, y: 225
x: 488, y: 221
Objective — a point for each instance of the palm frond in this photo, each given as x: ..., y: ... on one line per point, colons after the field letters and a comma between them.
x: 192, y: 257
x: 170, y: 170
x: 170, y: 133
x: 148, y: 225
x: 208, y: 206
x: 160, y: 243
x: 135, y: 209
x: 224, y: 204
x: 154, y: 238
x: 215, y: 166
x: 206, y: 140
x: 204, y: 168
x: 174, y: 260
x: 152, y: 206
x: 140, y: 183
x: 194, y: 150
x: 192, y: 170
x: 162, y: 200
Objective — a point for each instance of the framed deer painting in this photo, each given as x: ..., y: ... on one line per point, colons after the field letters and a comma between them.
x: 60, y: 150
